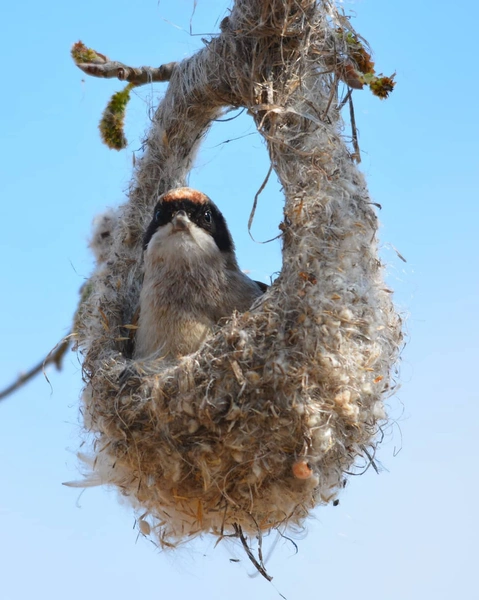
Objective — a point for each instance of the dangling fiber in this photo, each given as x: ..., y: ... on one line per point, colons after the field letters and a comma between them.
x: 260, y: 425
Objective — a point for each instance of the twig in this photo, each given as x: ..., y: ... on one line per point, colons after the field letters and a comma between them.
x: 354, y: 132
x: 255, y: 202
x: 344, y: 100
x: 259, y: 565
x: 371, y: 459
x: 135, y: 75
x: 95, y: 63
x: 55, y: 357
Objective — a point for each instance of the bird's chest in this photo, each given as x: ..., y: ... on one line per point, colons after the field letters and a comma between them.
x: 177, y: 311
x: 184, y: 291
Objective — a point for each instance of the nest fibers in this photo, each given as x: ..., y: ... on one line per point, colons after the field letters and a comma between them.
x: 262, y: 423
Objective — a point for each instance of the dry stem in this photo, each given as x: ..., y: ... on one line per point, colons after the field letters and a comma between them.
x: 54, y: 357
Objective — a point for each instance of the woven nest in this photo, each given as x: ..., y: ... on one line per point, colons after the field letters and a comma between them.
x: 263, y: 422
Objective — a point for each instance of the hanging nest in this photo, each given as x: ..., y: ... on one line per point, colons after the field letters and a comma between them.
x: 263, y: 422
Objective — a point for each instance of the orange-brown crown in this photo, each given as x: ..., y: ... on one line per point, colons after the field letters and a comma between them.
x: 185, y: 193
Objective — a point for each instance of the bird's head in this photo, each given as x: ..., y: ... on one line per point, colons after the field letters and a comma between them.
x: 186, y: 223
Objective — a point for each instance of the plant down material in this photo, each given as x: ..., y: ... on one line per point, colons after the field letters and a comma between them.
x: 263, y: 423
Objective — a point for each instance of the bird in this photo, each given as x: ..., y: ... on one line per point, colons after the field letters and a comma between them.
x: 191, y: 276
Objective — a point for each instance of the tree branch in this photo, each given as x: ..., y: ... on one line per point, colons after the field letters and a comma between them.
x: 55, y: 357
x: 135, y: 75
x: 96, y: 64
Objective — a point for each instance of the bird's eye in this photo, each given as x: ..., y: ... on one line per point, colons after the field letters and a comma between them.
x: 207, y: 216
x: 158, y: 216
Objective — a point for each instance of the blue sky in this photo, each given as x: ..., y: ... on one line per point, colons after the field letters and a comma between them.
x: 410, y: 532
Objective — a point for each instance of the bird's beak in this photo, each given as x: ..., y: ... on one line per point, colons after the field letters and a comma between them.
x: 180, y: 221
